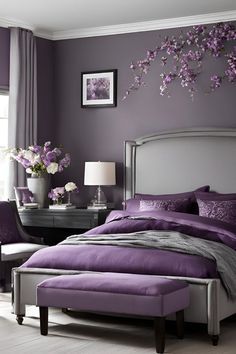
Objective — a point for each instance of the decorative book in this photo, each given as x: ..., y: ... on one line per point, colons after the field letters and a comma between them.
x: 62, y: 206
x: 30, y: 205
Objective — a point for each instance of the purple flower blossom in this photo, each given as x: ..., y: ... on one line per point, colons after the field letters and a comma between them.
x: 63, y: 163
x: 163, y: 61
x: 36, y: 149
x: 216, y: 81
x: 57, y: 151
x: 133, y: 66
x: 151, y: 54
x: 51, y: 156
x: 230, y: 72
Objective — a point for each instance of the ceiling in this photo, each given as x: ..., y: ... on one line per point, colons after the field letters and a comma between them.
x: 57, y: 19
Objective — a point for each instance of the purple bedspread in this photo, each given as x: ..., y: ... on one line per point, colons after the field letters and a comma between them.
x: 122, y: 260
x: 140, y: 260
x: 119, y: 221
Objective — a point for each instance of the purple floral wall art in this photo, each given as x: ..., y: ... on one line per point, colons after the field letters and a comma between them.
x: 99, y: 89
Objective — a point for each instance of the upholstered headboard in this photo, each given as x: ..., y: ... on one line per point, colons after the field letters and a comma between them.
x: 179, y: 161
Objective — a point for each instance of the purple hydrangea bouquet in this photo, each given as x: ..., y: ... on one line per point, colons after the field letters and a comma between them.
x: 39, y: 160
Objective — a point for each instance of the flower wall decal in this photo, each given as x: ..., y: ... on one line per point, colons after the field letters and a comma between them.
x: 186, y: 52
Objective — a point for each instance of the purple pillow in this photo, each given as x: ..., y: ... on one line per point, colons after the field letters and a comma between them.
x: 217, y: 206
x: 132, y: 204
x: 215, y: 196
x: 172, y: 196
x: 178, y: 205
x: 223, y: 210
x: 8, y: 230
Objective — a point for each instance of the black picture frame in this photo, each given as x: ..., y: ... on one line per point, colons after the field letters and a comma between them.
x: 99, y: 88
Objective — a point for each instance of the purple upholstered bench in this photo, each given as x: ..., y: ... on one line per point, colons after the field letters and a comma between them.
x: 115, y: 293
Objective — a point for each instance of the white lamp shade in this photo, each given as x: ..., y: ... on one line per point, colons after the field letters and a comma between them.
x: 99, y: 173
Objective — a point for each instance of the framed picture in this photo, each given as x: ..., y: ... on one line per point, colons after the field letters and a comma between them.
x: 99, y: 88
x: 23, y: 195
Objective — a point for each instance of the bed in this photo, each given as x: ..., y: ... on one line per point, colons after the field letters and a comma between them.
x: 167, y: 162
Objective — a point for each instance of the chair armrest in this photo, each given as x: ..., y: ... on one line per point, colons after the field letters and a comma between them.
x: 24, y: 235
x: 29, y: 238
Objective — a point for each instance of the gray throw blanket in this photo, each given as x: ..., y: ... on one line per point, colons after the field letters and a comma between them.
x: 224, y: 256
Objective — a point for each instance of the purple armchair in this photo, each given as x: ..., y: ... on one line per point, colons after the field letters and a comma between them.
x: 16, y: 245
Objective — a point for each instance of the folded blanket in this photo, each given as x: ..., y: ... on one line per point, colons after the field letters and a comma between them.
x: 224, y: 256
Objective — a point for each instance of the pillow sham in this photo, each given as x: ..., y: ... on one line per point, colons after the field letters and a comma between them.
x: 178, y: 205
x: 132, y: 204
x: 217, y: 206
x: 172, y: 196
x: 215, y: 196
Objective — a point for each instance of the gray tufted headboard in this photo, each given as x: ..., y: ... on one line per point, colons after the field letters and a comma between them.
x: 180, y: 161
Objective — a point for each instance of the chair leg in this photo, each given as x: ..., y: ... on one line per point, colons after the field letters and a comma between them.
x: 3, y: 285
x: 180, y: 324
x: 159, y: 327
x: 43, y: 312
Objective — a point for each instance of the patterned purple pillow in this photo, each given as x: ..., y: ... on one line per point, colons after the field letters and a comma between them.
x: 180, y: 205
x: 132, y: 204
x: 224, y: 210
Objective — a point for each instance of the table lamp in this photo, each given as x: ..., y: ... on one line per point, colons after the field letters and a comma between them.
x: 99, y: 174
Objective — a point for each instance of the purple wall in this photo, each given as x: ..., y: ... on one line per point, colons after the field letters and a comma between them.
x: 98, y: 134
x: 4, y: 57
x: 45, y: 90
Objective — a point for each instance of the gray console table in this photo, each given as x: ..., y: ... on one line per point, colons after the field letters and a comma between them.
x: 55, y: 225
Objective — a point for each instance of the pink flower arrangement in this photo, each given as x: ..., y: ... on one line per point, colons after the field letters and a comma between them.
x: 187, y: 53
x: 58, y: 193
x: 38, y: 159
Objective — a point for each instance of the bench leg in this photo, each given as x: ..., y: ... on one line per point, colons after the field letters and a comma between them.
x: 159, y: 327
x: 180, y: 324
x: 43, y: 312
x: 215, y: 339
x: 19, y: 319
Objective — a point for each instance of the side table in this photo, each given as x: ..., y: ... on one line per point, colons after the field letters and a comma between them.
x: 55, y: 225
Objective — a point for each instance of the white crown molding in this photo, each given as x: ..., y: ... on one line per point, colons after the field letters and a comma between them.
x: 146, y: 25
x: 124, y: 28
x: 10, y: 22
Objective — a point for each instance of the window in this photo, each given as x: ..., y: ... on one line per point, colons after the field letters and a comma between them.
x: 4, y: 102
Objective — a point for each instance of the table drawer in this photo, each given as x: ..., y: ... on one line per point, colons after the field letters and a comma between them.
x: 74, y: 221
x: 37, y: 220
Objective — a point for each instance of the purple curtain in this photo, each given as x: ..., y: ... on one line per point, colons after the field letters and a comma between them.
x: 22, y: 99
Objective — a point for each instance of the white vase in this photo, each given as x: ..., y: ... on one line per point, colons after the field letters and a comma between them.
x: 39, y: 186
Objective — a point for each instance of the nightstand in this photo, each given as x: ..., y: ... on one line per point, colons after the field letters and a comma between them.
x: 55, y: 225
